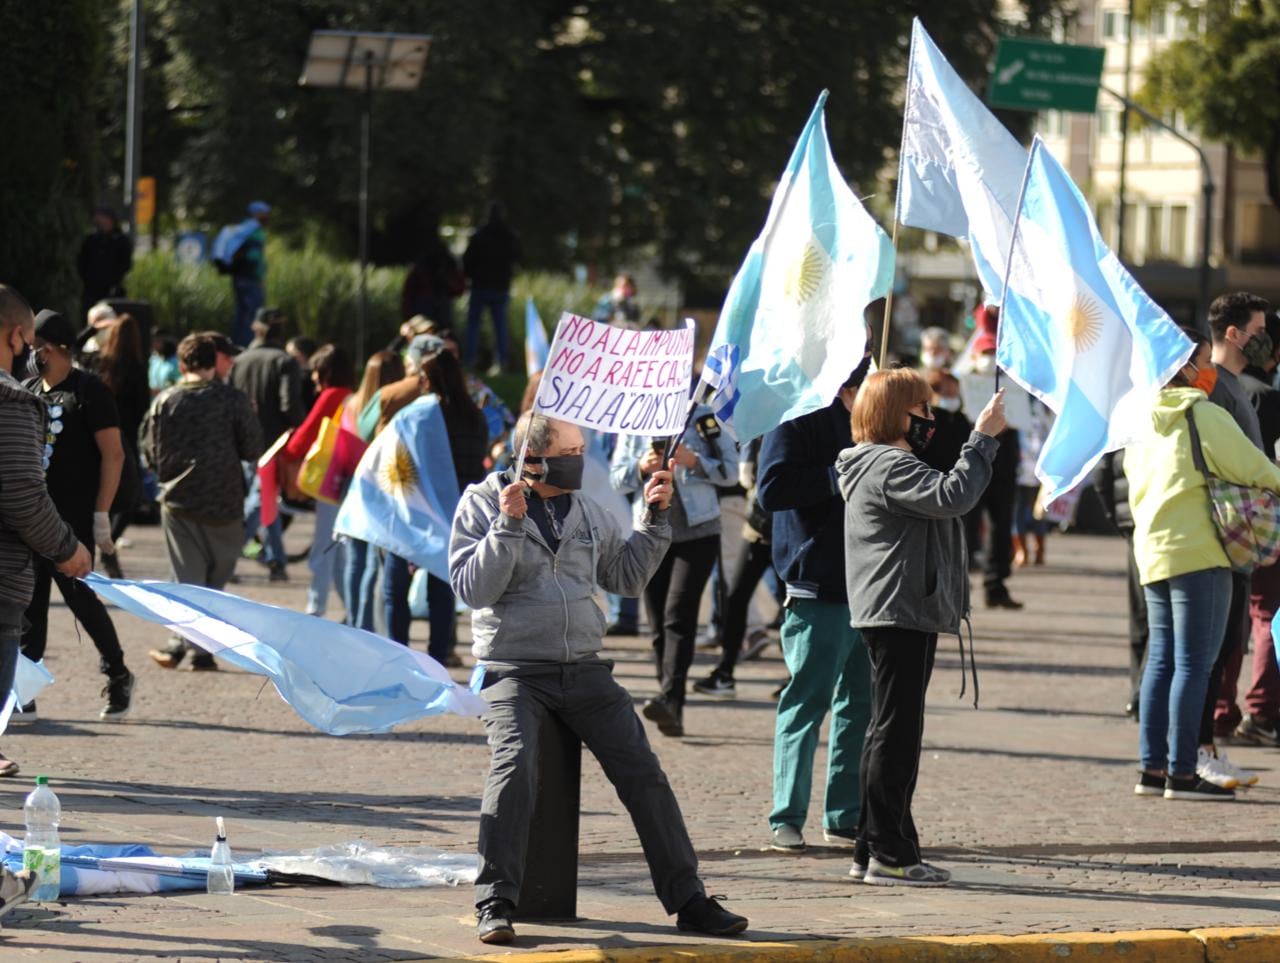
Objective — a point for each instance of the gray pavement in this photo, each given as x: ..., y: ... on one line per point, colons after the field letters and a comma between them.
x: 1029, y: 800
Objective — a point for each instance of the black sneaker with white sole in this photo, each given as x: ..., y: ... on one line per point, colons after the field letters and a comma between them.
x: 1148, y: 784
x: 1195, y: 789
x: 119, y: 695
x: 716, y: 686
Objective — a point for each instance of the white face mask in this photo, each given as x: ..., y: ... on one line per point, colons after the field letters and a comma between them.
x: 934, y: 360
x: 984, y: 363
x: 948, y: 404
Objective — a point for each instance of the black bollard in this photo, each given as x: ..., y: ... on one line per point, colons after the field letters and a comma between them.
x: 550, y: 888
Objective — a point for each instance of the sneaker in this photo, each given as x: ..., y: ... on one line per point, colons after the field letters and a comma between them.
x: 1148, y: 784
x: 1210, y: 769
x: 119, y: 695
x: 919, y: 874
x: 716, y: 686
x: 757, y: 642
x: 841, y: 838
x: 277, y: 573
x: 705, y: 914
x: 494, y: 921
x: 669, y: 720
x: 26, y: 713
x: 111, y: 565
x: 1244, y: 777
x: 1003, y: 600
x: 622, y: 628
x: 203, y: 663
x: 15, y: 887
x: 1259, y: 732
x: 787, y: 839
x: 858, y: 871
x: 1195, y: 789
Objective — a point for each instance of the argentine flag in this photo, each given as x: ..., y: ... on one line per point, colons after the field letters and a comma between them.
x: 404, y: 493
x: 1077, y: 331
x: 536, y: 347
x: 791, y: 328
x: 959, y: 167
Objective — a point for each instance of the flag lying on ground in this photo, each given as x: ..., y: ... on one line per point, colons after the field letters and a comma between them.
x: 959, y: 168
x: 338, y: 678
x: 29, y: 678
x: 405, y: 492
x: 536, y: 347
x: 1077, y: 331
x: 791, y: 328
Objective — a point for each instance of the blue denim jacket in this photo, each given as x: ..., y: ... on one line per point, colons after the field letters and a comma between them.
x: 717, y: 467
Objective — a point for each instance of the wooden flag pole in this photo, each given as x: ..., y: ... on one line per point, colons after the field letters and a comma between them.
x: 888, y: 302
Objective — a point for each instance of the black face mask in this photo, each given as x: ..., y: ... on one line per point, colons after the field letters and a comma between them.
x: 26, y: 363
x: 920, y: 432
x: 559, y: 471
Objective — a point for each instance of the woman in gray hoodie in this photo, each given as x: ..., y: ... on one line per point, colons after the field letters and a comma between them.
x: 907, y: 578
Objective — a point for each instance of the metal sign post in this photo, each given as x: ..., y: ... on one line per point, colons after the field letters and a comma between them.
x: 1040, y: 75
x: 365, y: 62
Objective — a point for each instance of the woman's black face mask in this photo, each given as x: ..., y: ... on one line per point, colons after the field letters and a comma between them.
x: 559, y: 471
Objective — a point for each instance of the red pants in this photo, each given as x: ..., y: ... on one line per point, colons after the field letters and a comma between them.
x: 1263, y: 698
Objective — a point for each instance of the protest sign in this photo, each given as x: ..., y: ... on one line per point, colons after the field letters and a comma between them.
x: 617, y: 380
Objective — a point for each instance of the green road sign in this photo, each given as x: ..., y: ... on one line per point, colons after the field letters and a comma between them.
x: 1039, y: 75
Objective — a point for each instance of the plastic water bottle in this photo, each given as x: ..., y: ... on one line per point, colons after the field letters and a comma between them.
x: 42, y: 853
x: 222, y: 879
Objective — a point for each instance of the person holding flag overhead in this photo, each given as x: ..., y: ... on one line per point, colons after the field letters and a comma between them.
x: 528, y: 554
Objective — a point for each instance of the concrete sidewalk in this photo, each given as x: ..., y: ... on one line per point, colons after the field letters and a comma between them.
x: 1028, y: 800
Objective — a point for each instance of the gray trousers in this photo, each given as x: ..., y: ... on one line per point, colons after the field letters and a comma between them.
x: 600, y: 712
x: 201, y: 553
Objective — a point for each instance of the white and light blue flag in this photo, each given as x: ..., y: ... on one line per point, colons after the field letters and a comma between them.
x: 959, y: 168
x: 404, y: 493
x: 536, y: 347
x: 791, y: 328
x: 339, y: 679
x: 1077, y: 331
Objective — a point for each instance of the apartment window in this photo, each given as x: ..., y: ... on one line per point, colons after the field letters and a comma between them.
x: 1160, y: 23
x: 1260, y: 234
x: 1050, y: 123
x: 1108, y: 123
x: 1155, y: 247
x: 1179, y: 215
x: 1113, y: 24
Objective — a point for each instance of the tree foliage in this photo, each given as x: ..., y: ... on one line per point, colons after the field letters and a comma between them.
x: 1225, y: 79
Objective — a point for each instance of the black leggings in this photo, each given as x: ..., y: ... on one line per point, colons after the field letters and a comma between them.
x: 672, y: 599
x: 84, y: 605
x: 753, y: 562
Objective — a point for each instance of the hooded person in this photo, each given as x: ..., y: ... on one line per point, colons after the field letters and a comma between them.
x: 906, y: 579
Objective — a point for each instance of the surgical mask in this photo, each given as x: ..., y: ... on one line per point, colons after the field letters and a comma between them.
x: 948, y: 404
x: 934, y: 361
x: 920, y: 432
x: 984, y: 363
x: 559, y: 471
x: 1257, y: 350
x: 1206, y: 378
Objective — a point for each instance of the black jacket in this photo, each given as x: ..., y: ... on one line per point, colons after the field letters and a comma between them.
x: 1113, y: 489
x: 105, y: 258
x: 272, y: 381
x: 491, y: 256
x: 796, y: 481
x: 1266, y: 402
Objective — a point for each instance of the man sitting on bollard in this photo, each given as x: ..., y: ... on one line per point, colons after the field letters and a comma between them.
x: 527, y: 555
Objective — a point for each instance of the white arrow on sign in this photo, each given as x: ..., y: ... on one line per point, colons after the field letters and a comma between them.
x: 1011, y: 71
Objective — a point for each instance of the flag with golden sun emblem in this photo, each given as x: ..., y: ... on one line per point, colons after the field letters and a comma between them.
x: 1077, y: 331
x: 404, y: 492
x: 791, y: 329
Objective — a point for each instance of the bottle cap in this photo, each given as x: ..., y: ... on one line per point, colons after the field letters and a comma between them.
x: 42, y: 780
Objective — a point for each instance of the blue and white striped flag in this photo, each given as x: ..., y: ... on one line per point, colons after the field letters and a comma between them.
x: 1077, y: 331
x: 536, y: 347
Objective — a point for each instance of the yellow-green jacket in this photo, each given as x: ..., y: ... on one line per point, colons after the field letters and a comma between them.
x: 1173, y: 529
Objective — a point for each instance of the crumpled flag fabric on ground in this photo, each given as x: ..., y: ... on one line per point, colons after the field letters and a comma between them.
x: 29, y: 679
x: 339, y: 679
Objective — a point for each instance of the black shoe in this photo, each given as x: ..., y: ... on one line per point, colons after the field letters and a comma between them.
x: 1003, y: 600
x: 1195, y: 789
x: 203, y: 663
x: 704, y: 914
x: 119, y: 695
x: 27, y: 714
x: 277, y: 572
x: 716, y: 686
x: 494, y: 924
x: 111, y: 565
x: 622, y: 628
x: 1148, y: 784
x: 669, y: 719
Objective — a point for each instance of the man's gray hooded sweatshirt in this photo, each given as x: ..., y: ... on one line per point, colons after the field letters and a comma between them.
x: 535, y: 605
x: 905, y: 563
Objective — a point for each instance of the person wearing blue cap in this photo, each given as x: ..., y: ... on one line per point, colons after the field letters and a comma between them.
x: 248, y: 270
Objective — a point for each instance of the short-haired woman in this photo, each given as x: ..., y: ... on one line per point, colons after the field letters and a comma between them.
x: 906, y: 571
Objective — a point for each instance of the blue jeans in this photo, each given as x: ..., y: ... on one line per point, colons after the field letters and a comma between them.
x: 250, y: 296
x: 1187, y: 617
x: 395, y: 593
x: 273, y: 534
x: 359, y: 577
x: 496, y: 302
x: 322, y: 558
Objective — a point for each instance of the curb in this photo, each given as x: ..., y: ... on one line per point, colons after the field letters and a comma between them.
x: 1225, y: 945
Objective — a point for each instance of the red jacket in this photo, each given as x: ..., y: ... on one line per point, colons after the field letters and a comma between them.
x: 327, y: 404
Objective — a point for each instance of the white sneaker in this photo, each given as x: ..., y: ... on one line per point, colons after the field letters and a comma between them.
x: 1210, y: 768
x: 1243, y: 777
